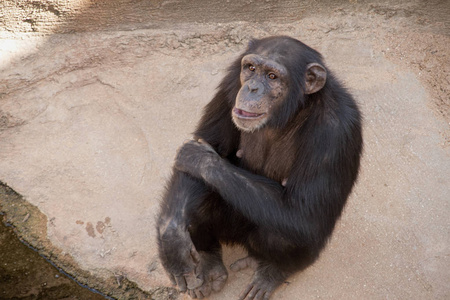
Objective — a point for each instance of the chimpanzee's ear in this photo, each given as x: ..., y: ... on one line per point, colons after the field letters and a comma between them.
x: 315, y: 78
x: 251, y: 43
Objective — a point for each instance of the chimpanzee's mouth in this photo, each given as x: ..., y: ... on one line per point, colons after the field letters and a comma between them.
x: 245, y: 114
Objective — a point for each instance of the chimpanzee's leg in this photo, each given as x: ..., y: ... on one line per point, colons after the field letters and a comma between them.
x: 188, y: 248
x: 203, y: 221
x: 177, y: 252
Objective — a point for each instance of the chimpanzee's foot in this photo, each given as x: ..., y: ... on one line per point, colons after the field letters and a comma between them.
x: 260, y: 289
x: 214, y: 275
x: 266, y: 279
x: 243, y: 263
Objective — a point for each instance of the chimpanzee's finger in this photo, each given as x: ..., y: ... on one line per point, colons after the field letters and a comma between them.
x: 181, y: 282
x: 172, y: 279
x: 193, y: 281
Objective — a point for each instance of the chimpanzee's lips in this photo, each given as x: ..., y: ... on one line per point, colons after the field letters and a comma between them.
x: 245, y: 114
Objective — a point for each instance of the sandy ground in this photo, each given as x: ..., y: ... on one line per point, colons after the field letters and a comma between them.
x: 96, y: 98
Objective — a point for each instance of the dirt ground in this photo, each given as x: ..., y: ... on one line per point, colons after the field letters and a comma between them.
x: 96, y: 96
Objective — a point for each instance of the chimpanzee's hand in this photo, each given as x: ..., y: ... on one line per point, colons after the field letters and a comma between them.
x: 180, y: 258
x: 194, y: 157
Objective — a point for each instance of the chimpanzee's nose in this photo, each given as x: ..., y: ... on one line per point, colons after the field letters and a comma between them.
x: 255, y: 87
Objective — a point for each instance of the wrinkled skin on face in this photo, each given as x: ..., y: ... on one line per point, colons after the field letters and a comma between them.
x: 263, y: 87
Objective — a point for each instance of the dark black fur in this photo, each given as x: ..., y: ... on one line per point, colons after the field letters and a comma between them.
x: 314, y: 141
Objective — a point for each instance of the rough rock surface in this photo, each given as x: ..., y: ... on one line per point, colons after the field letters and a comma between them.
x: 96, y: 98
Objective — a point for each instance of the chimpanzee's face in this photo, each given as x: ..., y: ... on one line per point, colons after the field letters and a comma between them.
x: 263, y: 87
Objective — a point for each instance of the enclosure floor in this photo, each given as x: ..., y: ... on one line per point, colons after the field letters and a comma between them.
x: 95, y: 100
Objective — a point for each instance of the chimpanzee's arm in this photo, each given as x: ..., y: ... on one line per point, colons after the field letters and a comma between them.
x: 263, y: 201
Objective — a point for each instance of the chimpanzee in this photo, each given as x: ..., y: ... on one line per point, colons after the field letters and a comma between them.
x: 270, y: 168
